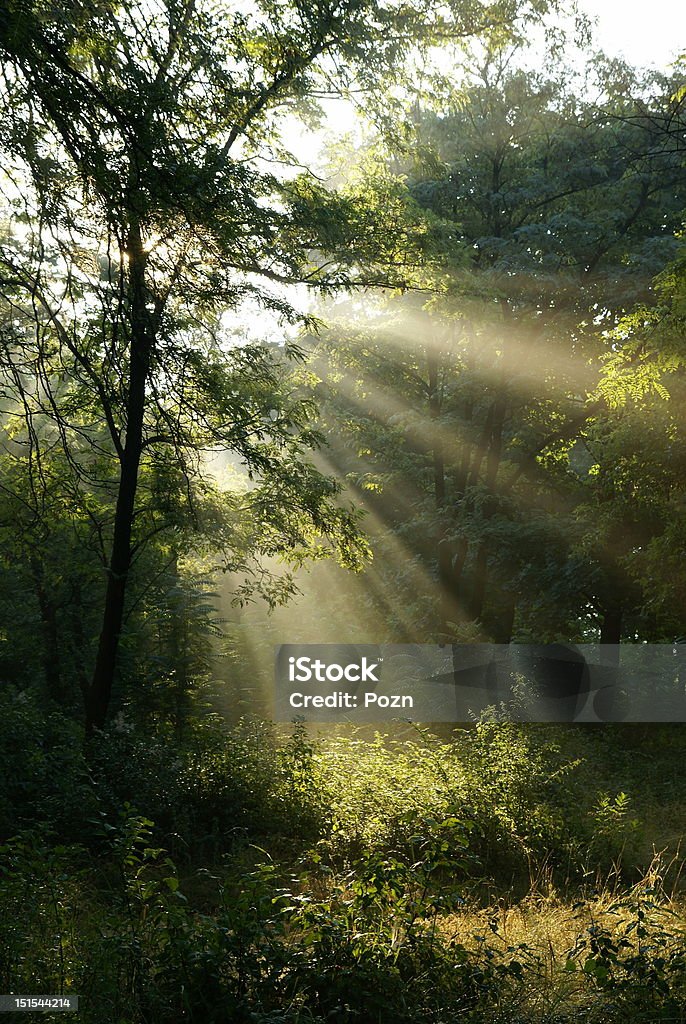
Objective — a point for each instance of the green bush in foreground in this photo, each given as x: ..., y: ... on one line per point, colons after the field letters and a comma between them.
x: 327, y: 880
x: 368, y: 944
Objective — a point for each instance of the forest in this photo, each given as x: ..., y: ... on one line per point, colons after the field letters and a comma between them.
x: 348, y: 322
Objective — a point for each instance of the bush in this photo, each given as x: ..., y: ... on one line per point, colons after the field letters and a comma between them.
x: 44, y: 779
x: 519, y: 794
x: 223, y: 788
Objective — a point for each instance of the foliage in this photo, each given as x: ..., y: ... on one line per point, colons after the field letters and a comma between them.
x: 505, y: 399
x: 640, y: 966
x: 514, y: 435
x: 140, y: 941
x: 44, y: 781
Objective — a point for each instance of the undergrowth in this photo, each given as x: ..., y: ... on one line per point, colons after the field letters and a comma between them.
x: 503, y: 875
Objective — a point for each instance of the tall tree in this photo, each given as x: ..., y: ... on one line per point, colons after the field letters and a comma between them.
x: 569, y: 209
x: 140, y: 142
x: 487, y: 435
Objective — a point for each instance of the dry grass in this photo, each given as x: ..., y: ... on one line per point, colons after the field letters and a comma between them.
x: 549, y: 936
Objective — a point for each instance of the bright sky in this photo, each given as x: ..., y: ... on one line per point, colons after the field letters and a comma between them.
x: 642, y: 31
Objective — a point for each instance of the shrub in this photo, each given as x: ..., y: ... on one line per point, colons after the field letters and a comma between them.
x: 44, y: 779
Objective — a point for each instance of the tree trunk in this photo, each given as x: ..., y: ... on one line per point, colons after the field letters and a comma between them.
x: 51, y: 648
x: 79, y: 642
x: 501, y: 624
x: 178, y: 642
x: 493, y: 450
x: 611, y: 626
x: 120, y: 559
x: 465, y: 447
x: 433, y: 366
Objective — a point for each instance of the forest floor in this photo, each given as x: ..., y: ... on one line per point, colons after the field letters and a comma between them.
x: 505, y: 874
